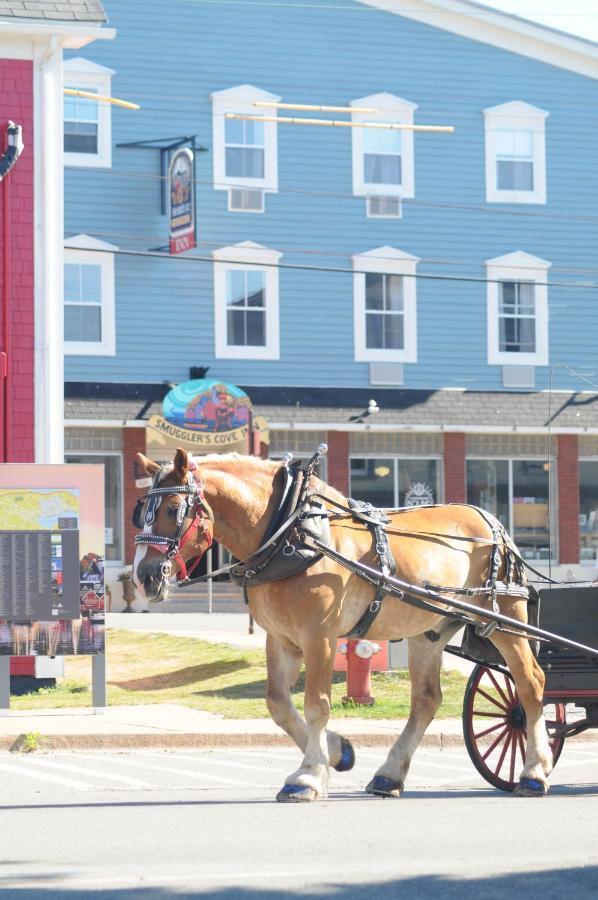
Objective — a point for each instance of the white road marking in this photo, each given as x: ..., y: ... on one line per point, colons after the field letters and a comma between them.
x: 223, y: 763
x: 23, y: 770
x: 190, y: 773
x: 85, y: 770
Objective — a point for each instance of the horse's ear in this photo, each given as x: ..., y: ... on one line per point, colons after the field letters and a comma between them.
x: 181, y: 463
x: 147, y: 465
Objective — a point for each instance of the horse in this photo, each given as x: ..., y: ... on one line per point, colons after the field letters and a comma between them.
x: 235, y: 498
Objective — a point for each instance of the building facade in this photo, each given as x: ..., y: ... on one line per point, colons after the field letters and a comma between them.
x: 449, y: 278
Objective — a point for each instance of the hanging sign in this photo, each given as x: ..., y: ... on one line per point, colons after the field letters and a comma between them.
x: 206, y: 416
x: 181, y: 206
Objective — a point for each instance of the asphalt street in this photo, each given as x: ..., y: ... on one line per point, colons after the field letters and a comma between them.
x: 204, y: 823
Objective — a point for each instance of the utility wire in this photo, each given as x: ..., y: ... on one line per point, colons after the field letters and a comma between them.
x: 301, y: 267
x: 313, y: 251
x: 490, y: 209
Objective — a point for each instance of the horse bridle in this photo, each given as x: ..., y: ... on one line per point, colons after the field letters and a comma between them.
x: 193, y: 507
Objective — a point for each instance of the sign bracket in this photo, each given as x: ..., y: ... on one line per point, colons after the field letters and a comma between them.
x: 166, y: 146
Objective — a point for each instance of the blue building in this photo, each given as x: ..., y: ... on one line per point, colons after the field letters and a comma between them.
x: 449, y: 278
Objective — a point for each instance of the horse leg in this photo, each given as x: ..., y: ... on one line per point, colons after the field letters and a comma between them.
x: 310, y: 780
x: 425, y: 657
x: 529, y: 682
x: 284, y: 664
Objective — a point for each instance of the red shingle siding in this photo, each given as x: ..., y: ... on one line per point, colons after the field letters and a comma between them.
x: 568, y: 497
x: 338, y: 460
x: 455, y: 487
x: 16, y: 103
x: 133, y: 443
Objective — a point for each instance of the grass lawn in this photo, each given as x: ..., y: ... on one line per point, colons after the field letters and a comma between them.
x: 218, y: 678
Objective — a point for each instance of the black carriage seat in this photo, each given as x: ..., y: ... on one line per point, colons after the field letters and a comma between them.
x: 572, y: 613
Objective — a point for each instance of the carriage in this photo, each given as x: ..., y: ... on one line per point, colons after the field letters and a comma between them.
x: 494, y: 726
x: 316, y: 565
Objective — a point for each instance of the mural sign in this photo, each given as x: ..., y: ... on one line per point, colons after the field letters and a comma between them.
x: 51, y: 559
x: 181, y: 193
x: 206, y: 416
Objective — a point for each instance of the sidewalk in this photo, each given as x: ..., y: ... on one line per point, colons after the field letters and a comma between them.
x: 172, y: 726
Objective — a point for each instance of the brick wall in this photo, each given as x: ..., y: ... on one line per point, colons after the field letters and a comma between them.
x: 133, y: 443
x: 568, y: 497
x: 16, y: 103
x: 455, y: 487
x: 338, y: 460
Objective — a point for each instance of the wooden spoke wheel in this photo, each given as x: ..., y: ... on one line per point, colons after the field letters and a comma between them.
x: 494, y: 727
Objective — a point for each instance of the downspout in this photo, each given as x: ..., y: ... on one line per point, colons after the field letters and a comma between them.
x: 49, y: 240
x: 14, y: 148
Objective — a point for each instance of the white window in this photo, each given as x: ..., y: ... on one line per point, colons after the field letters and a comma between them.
x: 246, y: 302
x: 384, y: 292
x: 89, y: 297
x: 87, y: 122
x: 245, y: 151
x: 383, y: 158
x: 517, y: 310
x: 515, y: 153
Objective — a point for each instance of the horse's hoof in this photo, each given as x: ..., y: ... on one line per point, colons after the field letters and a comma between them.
x: 382, y: 786
x: 347, y: 760
x: 530, y: 787
x: 296, y: 793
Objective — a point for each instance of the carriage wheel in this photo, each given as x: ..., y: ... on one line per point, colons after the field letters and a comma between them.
x: 494, y: 727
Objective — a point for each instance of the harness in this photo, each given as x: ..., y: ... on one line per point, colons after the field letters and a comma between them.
x: 193, y: 507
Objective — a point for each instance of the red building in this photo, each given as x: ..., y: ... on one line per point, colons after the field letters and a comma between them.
x: 32, y: 39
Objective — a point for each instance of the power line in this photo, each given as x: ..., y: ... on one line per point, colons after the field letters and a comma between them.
x: 316, y: 251
x: 301, y: 267
x: 488, y: 209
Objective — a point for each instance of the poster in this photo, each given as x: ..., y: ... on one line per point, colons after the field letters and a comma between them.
x: 52, y: 590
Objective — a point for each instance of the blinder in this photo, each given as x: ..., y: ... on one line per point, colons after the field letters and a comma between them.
x: 193, y: 506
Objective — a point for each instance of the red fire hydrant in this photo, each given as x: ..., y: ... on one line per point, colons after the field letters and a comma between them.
x: 359, y: 668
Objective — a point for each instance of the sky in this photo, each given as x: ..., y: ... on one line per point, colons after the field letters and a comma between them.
x: 579, y: 17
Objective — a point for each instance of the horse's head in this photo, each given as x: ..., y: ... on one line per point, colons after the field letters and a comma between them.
x: 177, y: 525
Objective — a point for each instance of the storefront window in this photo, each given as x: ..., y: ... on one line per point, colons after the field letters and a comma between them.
x: 488, y: 487
x: 392, y: 483
x: 588, y: 510
x: 516, y: 491
x: 112, y: 499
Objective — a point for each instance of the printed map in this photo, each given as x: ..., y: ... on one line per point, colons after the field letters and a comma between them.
x: 40, y: 509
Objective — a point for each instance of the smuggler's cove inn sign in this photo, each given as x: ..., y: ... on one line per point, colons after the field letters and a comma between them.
x: 206, y: 416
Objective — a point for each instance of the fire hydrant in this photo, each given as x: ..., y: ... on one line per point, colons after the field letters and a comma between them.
x: 359, y: 664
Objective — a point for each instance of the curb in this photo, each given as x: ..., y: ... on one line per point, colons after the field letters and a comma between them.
x: 209, y: 741
x: 205, y: 741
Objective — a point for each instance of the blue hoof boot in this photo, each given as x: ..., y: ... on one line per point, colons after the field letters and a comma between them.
x: 382, y: 786
x: 347, y: 760
x: 296, y: 793
x: 530, y: 787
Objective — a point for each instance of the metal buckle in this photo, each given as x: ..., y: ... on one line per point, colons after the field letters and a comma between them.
x: 485, y: 629
x: 375, y: 606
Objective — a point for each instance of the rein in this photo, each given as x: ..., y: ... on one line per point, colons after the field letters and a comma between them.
x: 193, y: 507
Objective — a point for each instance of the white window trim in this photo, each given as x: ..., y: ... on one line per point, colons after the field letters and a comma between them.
x: 246, y: 255
x: 386, y: 261
x: 518, y: 266
x: 516, y: 115
x: 83, y: 74
x: 391, y: 109
x: 240, y: 100
x: 83, y: 249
